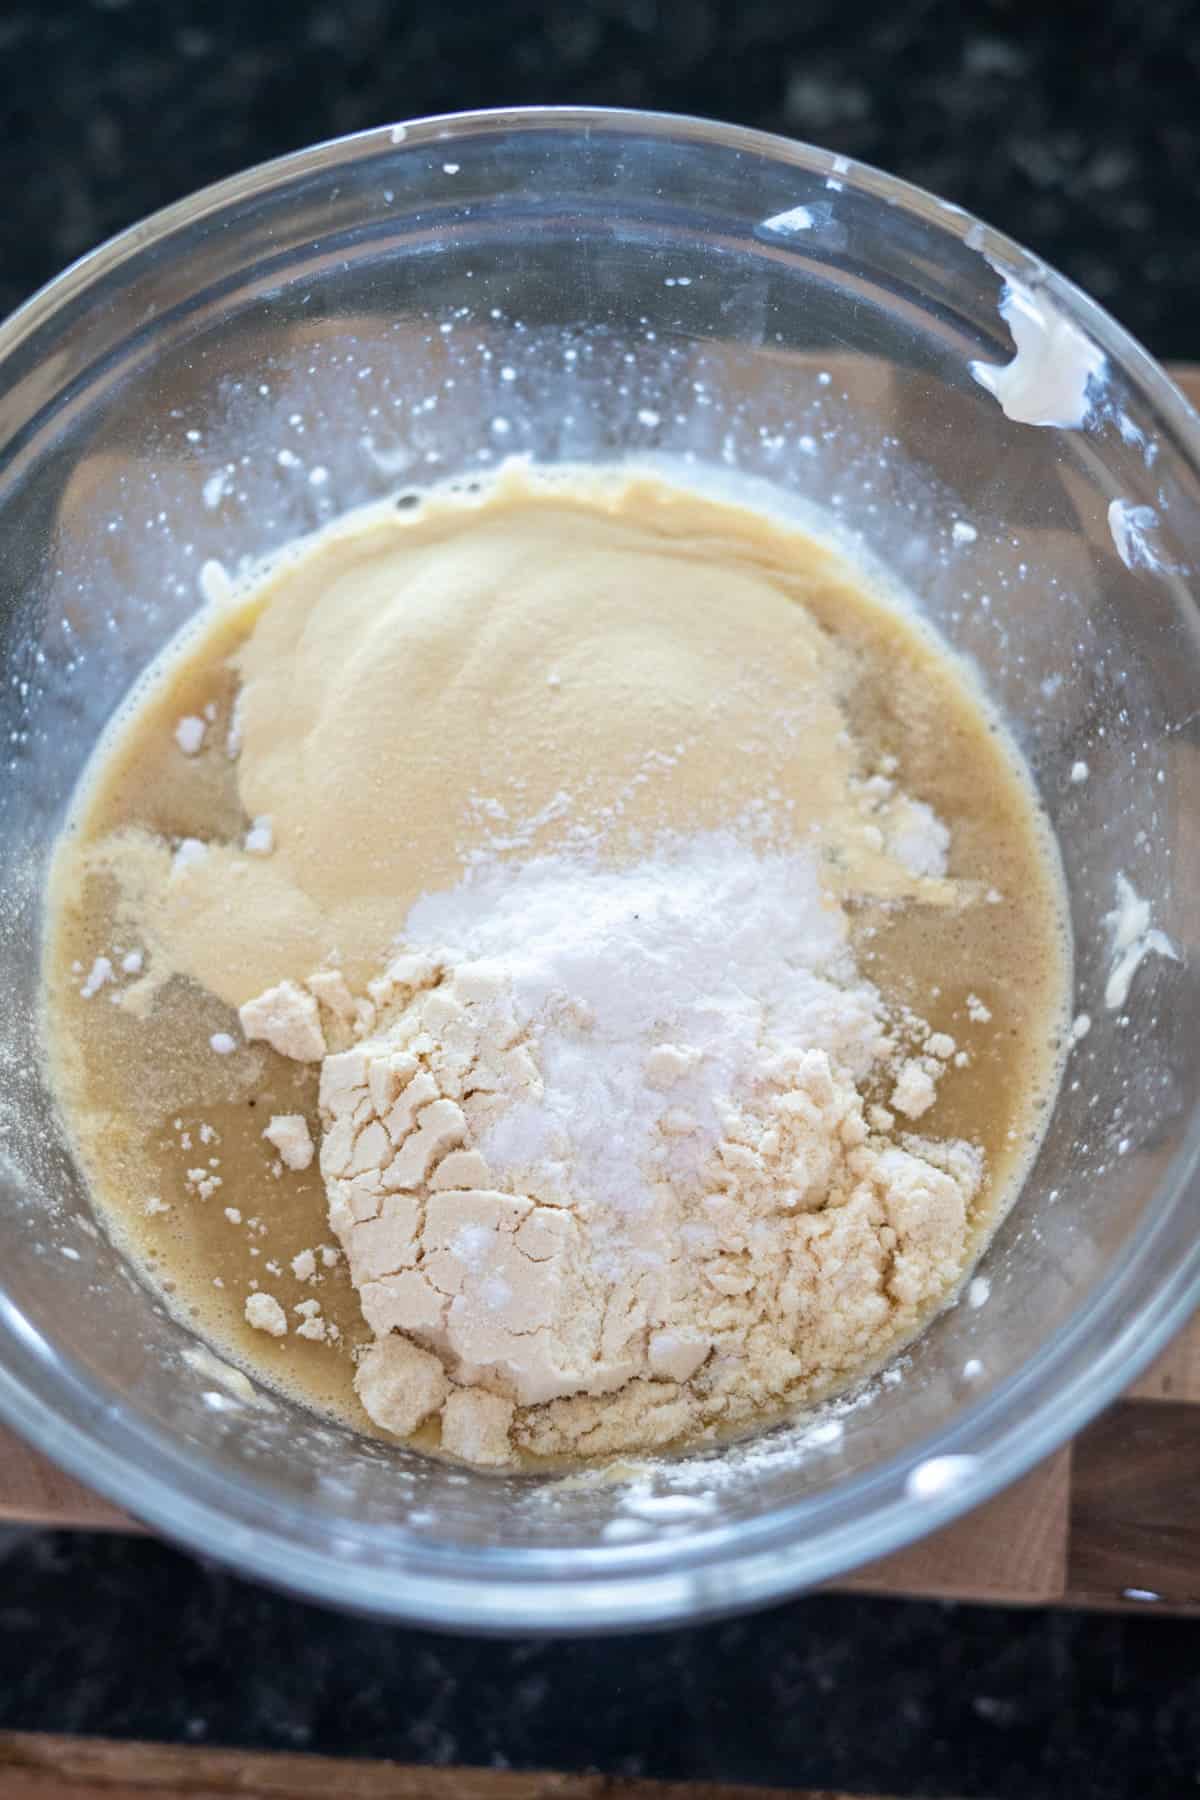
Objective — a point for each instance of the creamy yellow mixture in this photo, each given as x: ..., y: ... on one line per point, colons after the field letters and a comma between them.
x: 567, y: 667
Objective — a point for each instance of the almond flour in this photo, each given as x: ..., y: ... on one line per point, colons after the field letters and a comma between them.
x: 606, y: 1155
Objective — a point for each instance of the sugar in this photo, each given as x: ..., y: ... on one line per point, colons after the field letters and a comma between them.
x: 188, y: 852
x: 705, y: 944
x: 190, y: 733
x: 260, y: 839
x: 101, y: 972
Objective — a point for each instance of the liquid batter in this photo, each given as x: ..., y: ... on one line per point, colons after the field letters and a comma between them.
x: 585, y: 669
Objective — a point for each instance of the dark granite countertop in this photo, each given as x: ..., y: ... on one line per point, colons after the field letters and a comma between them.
x: 123, y: 1637
x: 1077, y: 129
x: 1073, y: 128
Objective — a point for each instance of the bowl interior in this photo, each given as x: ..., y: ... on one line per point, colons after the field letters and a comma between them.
x: 420, y: 303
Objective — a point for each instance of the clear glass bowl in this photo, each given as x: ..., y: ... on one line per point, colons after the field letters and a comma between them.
x: 418, y: 301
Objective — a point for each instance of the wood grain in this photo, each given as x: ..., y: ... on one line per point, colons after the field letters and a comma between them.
x: 1176, y: 1374
x: 1012, y: 1551
x: 37, y: 1767
x: 1187, y: 377
x: 32, y: 1489
x: 1134, y: 1529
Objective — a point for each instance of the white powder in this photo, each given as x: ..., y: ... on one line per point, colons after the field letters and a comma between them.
x: 1132, y: 528
x: 918, y: 839
x: 260, y: 839
x: 312, y: 1325
x: 289, y: 1134
x: 214, y: 583
x: 188, y: 853
x: 286, y: 1018
x: 190, y: 733
x: 203, y: 1182
x: 709, y: 947
x: 914, y: 1092
x: 100, y: 973
x: 1132, y: 939
x: 797, y: 218
x: 604, y: 1153
x: 231, y: 1380
x: 264, y: 1313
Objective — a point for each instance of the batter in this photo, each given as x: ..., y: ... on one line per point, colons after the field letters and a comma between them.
x: 299, y: 845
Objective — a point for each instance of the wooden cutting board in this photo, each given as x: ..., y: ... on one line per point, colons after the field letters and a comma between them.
x: 1112, y: 1520
x: 37, y: 1767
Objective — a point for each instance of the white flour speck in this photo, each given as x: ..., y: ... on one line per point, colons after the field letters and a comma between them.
x: 1131, y: 527
x: 1133, y: 938
x: 798, y: 218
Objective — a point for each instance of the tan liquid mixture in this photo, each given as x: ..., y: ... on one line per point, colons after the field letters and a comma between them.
x: 507, y: 671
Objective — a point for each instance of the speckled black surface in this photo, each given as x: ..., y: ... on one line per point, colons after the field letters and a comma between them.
x: 128, y: 1638
x: 1077, y: 129
x: 1073, y: 127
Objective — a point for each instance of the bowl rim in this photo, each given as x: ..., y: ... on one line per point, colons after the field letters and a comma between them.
x: 1096, y: 1353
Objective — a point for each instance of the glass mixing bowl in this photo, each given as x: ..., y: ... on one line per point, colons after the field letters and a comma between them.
x: 420, y: 301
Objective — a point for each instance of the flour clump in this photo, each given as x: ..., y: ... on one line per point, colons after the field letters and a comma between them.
x: 604, y: 1157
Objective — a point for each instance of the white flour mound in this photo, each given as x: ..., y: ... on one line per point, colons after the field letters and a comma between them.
x: 602, y: 1168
